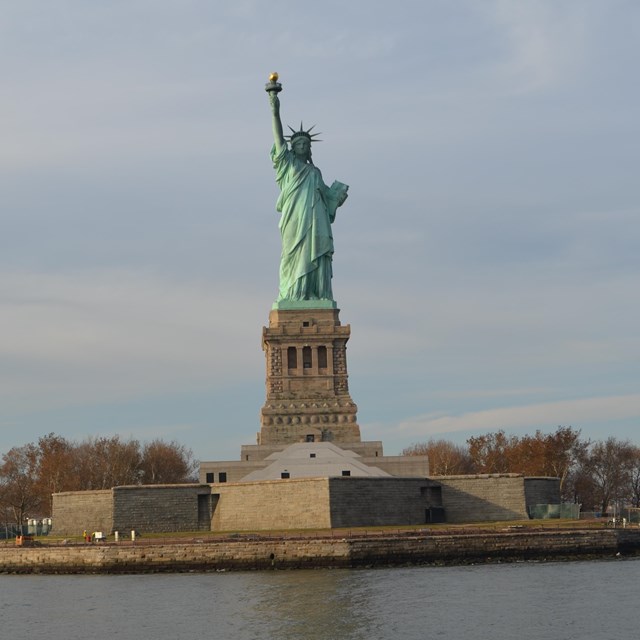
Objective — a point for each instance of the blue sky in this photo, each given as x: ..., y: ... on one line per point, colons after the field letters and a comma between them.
x: 487, y: 258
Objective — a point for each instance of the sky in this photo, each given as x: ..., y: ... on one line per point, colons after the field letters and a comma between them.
x: 486, y: 260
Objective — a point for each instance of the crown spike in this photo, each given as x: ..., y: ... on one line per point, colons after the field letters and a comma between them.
x: 303, y: 132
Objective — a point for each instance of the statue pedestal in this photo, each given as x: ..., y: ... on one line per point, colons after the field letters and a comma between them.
x: 307, y: 382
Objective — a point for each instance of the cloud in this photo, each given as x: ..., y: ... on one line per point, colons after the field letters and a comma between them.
x: 490, y: 239
x: 543, y: 415
x: 546, y: 43
x: 70, y: 339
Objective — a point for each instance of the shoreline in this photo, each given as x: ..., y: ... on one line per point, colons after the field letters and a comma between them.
x: 252, y: 552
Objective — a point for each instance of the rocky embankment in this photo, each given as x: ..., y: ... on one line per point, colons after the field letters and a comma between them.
x: 254, y: 552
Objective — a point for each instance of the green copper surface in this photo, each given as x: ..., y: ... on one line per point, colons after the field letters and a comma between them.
x: 304, y: 304
x: 308, y: 208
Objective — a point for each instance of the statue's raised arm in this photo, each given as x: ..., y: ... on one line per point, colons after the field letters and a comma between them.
x: 273, y: 88
x: 308, y: 207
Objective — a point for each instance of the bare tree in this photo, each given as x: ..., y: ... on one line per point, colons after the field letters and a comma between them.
x: 551, y: 455
x: 493, y: 452
x: 167, y: 463
x: 18, y: 485
x: 608, y: 468
x: 103, y: 463
x: 55, y: 468
x: 563, y: 451
x: 554, y: 455
x: 445, y: 458
x: 635, y: 478
x: 30, y: 474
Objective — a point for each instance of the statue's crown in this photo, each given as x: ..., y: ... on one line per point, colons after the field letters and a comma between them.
x: 301, y: 132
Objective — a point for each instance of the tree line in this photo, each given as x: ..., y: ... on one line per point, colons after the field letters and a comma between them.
x: 595, y: 474
x: 30, y: 474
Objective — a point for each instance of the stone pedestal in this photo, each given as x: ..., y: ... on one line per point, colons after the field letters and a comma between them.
x: 307, y: 382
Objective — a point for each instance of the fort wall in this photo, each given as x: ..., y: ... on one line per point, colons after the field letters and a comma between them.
x: 158, y: 508
x: 162, y: 508
x: 542, y: 491
x: 360, y: 502
x: 483, y: 498
x: 301, y: 503
x: 277, y: 504
x: 78, y: 511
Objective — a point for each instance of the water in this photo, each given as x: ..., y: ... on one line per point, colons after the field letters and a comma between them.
x: 559, y: 601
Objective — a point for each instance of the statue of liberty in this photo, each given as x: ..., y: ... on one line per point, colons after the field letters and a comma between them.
x: 308, y: 208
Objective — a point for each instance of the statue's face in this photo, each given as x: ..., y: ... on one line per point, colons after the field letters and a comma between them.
x: 302, y: 147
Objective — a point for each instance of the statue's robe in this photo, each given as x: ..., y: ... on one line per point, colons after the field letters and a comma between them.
x: 308, y: 208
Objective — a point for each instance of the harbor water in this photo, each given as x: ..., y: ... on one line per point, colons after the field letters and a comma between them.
x: 595, y: 600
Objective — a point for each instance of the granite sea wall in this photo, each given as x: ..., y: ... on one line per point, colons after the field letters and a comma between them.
x: 294, y: 553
